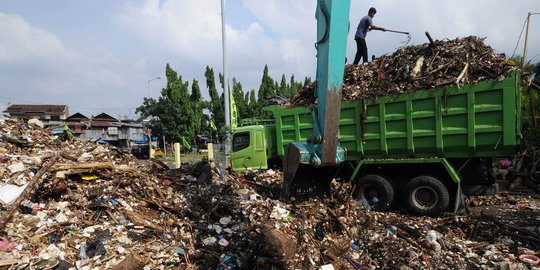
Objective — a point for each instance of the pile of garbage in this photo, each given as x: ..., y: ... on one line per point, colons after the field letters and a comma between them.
x: 87, y: 206
x: 67, y: 203
x: 442, y: 63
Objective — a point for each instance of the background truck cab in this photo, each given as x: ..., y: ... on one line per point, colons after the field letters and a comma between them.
x: 253, y: 146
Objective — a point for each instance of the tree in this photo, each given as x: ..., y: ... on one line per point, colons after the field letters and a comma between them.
x: 172, y: 114
x: 252, y: 103
x: 241, y: 103
x: 267, y: 87
x: 252, y: 99
x: 294, y: 87
x: 197, y: 104
x: 283, y: 89
x: 216, y: 105
x: 307, y: 81
x: 249, y: 109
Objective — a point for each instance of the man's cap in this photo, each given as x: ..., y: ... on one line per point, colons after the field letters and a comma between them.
x: 372, y: 10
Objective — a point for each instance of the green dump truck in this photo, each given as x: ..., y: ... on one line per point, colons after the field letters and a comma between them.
x: 420, y: 146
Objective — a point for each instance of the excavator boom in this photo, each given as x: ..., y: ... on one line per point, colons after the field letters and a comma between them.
x: 322, y: 149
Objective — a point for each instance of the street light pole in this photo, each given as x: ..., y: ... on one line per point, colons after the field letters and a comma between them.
x: 225, y: 87
x: 150, y: 152
x: 156, y: 78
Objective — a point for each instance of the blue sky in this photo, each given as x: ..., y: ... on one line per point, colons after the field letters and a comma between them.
x: 97, y: 56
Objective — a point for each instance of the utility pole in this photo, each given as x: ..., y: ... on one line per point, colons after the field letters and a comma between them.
x: 225, y: 87
x: 523, y: 63
x: 526, y: 39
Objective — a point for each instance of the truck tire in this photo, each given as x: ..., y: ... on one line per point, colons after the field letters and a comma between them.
x: 427, y: 196
x: 376, y: 190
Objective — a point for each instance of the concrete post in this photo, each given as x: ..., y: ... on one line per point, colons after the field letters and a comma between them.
x: 210, y: 151
x: 177, y: 162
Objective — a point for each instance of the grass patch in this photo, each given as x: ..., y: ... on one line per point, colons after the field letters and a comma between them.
x: 184, y: 158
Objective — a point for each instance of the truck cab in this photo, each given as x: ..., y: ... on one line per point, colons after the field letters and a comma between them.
x: 253, y: 146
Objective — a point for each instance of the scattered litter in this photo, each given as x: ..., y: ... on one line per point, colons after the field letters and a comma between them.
x: 7, y: 246
x: 140, y: 215
x: 8, y: 193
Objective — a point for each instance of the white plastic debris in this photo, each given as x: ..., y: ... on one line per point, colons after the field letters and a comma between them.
x: 84, y: 157
x: 225, y: 220
x: 255, y: 197
x: 327, y: 267
x: 223, y: 242
x: 9, y: 193
x: 36, y: 122
x: 16, y: 167
x: 61, y: 217
x: 278, y: 212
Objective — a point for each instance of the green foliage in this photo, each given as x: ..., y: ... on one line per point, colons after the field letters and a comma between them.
x: 252, y: 103
x: 530, y: 108
x: 294, y: 87
x: 241, y: 104
x: 307, y: 81
x: 283, y: 89
x: 267, y: 87
x: 178, y: 113
x: 216, y: 105
x: 197, y: 104
x: 173, y: 113
x: 531, y: 137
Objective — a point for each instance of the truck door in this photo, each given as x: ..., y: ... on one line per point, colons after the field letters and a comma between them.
x: 242, y: 153
x: 248, y: 149
x: 259, y: 157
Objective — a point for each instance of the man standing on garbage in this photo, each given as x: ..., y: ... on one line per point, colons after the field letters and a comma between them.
x: 365, y: 25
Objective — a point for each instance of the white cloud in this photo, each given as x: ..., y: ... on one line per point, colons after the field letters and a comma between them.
x: 23, y: 45
x: 36, y: 50
x: 35, y: 62
x: 36, y: 66
x: 288, y: 19
x: 499, y: 21
x: 190, y: 31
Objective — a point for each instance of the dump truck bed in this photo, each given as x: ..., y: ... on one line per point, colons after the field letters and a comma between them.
x: 475, y: 120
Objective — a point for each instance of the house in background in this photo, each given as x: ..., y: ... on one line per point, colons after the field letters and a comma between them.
x: 50, y: 115
x: 102, y: 127
x: 121, y: 134
x: 78, y: 122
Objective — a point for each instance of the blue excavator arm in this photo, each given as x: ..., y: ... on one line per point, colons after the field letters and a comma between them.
x: 322, y: 148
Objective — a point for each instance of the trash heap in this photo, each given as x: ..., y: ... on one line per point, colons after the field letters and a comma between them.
x: 345, y: 234
x: 68, y: 203
x: 442, y: 63
x: 95, y: 208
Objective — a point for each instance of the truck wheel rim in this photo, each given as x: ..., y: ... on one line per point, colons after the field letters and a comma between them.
x: 371, y: 192
x: 425, y: 197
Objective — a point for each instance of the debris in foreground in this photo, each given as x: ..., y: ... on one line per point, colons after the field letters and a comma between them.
x: 96, y: 208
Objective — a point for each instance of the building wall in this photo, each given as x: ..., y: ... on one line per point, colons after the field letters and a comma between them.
x: 114, y: 133
x: 41, y: 116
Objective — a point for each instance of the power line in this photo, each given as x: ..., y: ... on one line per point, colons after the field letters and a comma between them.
x: 18, y: 99
x: 534, y: 57
x: 519, y: 39
x: 112, y: 108
x: 73, y: 107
